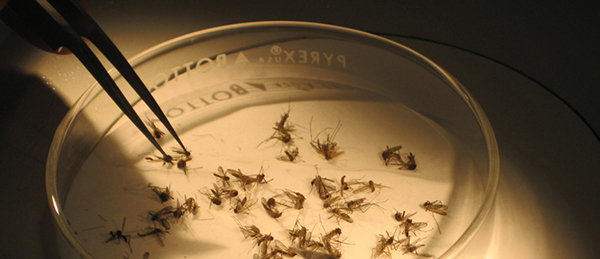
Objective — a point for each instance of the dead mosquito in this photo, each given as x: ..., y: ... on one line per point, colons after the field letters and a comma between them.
x: 191, y: 206
x: 356, y: 204
x: 330, y: 201
x: 411, y: 164
x: 391, y: 155
x: 360, y: 204
x: 298, y: 231
x: 327, y: 147
x: 263, y: 242
x: 162, y: 216
x: 283, y: 249
x: 270, y: 207
x: 249, y: 180
x: 385, y: 244
x: 289, y: 154
x: 251, y: 231
x: 183, y: 152
x: 408, y: 226
x: 370, y: 186
x: 229, y: 193
x: 296, y: 198
x: 436, y: 207
x: 159, y: 233
x: 156, y: 132
x: 334, y: 233
x: 214, y: 195
x: 329, y: 239
x: 222, y: 177
x: 182, y: 163
x: 188, y: 207
x: 243, y: 205
x: 324, y: 186
x: 165, y: 160
x: 163, y: 193
x: 282, y: 130
x: 411, y: 248
x: 301, y: 237
x: 118, y: 235
x: 339, y: 214
x: 401, y: 217
x: 345, y: 186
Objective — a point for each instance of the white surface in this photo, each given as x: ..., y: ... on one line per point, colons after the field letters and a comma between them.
x: 549, y: 158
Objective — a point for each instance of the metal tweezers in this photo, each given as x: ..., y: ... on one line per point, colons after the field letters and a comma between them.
x: 62, y: 23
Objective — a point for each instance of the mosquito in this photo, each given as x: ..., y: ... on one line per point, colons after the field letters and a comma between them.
x: 243, y: 205
x: 303, y: 237
x: 165, y: 160
x: 339, y: 214
x: 191, y: 206
x: 251, y: 231
x: 324, y: 186
x: 411, y: 248
x: 118, y: 235
x: 156, y: 132
x: 408, y: 226
x: 283, y: 249
x: 385, y: 244
x: 183, y: 152
x: 391, y: 155
x: 436, y: 207
x: 163, y: 193
x: 263, y: 242
x: 214, y: 195
x: 188, y: 207
x: 270, y: 208
x: 282, y: 130
x: 296, y: 198
x: 410, y: 165
x: 330, y: 201
x: 162, y: 216
x: 360, y: 204
x: 249, y: 180
x: 328, y: 239
x: 289, y: 154
x: 370, y: 186
x: 345, y: 186
x: 159, y: 233
x: 222, y: 177
x: 401, y: 217
x: 298, y: 231
x: 182, y: 163
x: 328, y: 148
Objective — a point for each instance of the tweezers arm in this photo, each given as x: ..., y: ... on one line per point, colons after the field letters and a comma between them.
x: 88, y: 28
x: 56, y: 31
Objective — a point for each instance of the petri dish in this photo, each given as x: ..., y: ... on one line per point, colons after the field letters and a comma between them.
x: 292, y: 101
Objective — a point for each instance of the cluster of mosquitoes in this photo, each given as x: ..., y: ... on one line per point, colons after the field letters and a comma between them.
x: 339, y: 199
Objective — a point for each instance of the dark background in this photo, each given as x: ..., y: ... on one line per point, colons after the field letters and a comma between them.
x: 553, y: 44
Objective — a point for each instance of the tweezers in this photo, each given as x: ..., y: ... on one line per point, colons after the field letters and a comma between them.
x: 62, y: 23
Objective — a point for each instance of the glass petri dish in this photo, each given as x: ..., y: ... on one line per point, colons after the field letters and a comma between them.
x: 227, y: 91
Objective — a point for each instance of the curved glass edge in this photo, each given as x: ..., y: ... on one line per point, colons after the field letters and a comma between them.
x: 187, y: 39
x: 493, y: 176
x: 52, y: 168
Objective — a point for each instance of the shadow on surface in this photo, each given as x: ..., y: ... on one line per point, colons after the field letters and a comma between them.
x: 30, y: 113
